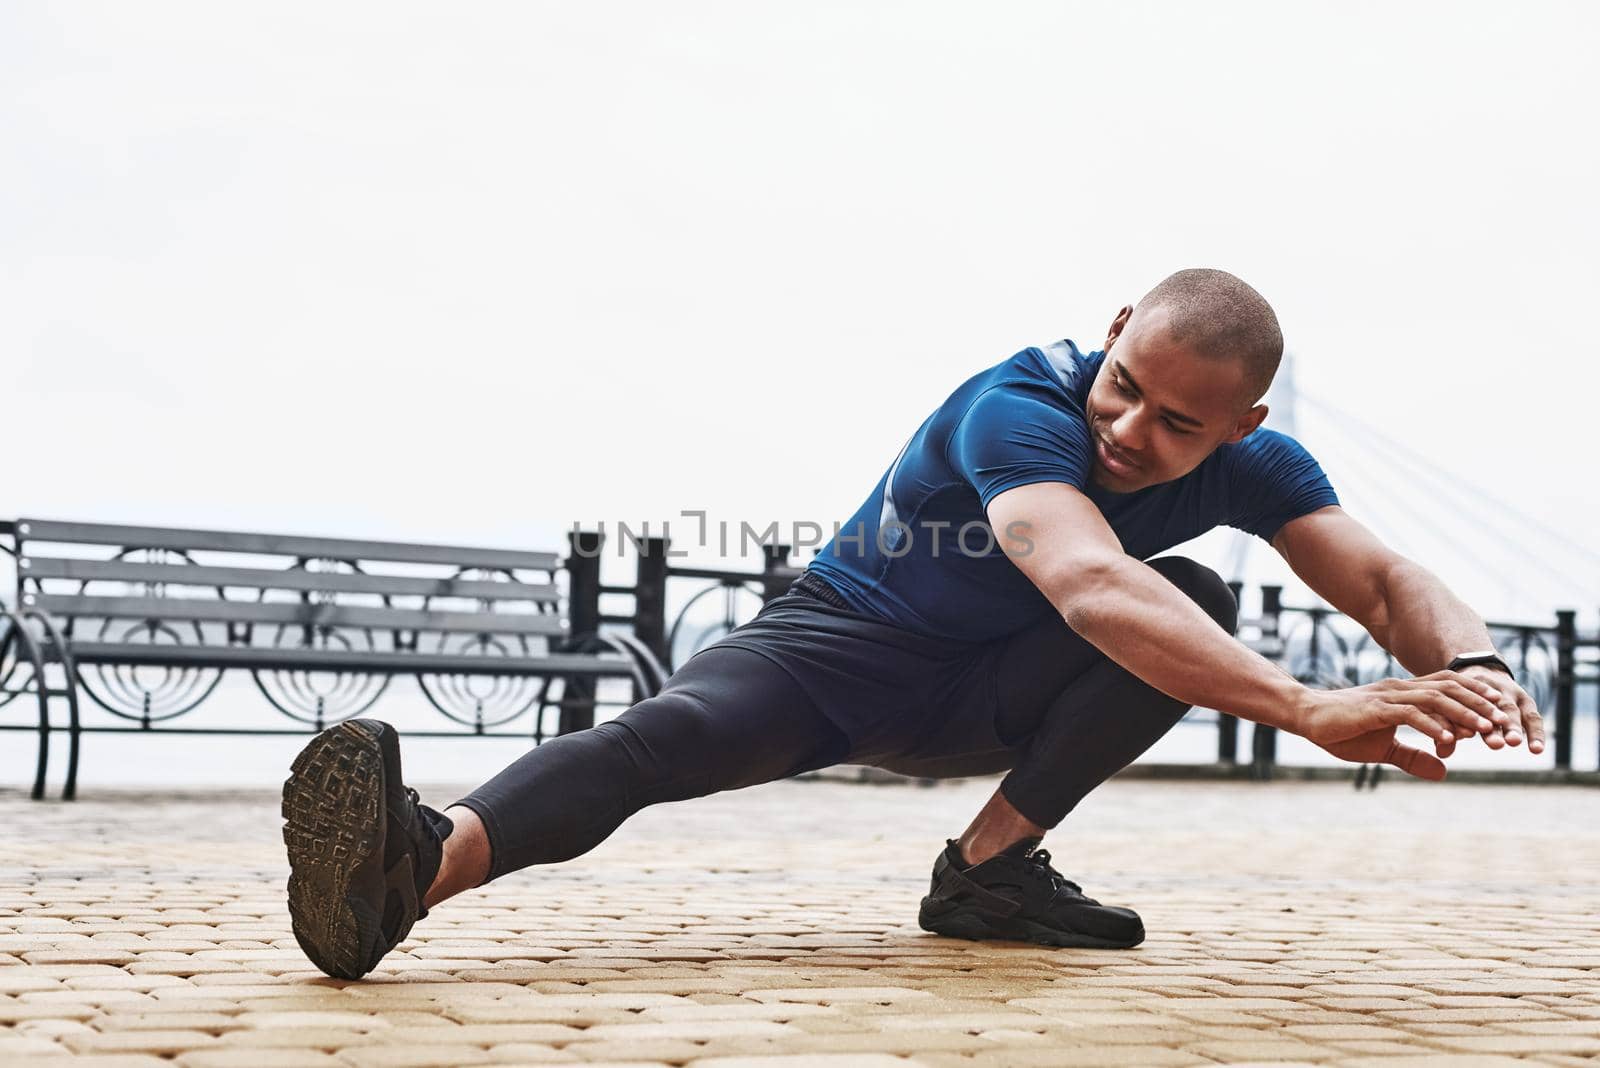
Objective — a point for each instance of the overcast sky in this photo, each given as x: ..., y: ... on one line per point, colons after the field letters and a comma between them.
x: 472, y: 273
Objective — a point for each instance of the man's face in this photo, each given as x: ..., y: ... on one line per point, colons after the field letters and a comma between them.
x: 1157, y: 408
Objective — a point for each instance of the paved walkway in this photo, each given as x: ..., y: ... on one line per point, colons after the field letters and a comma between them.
x: 1290, y: 923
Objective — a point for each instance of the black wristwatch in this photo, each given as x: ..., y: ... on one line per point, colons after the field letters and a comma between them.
x: 1488, y: 658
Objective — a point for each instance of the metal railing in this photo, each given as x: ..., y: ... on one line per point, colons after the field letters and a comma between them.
x: 1317, y: 645
x: 1323, y: 648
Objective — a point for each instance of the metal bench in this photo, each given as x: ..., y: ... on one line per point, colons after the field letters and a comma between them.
x: 145, y: 621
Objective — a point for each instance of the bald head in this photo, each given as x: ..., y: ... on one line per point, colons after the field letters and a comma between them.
x: 1218, y: 316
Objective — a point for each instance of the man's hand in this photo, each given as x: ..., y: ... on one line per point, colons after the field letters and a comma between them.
x: 1408, y: 610
x: 1522, y: 720
x: 1358, y: 724
x: 1381, y: 747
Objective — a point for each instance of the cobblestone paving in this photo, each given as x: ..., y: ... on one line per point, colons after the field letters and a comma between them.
x: 1289, y: 924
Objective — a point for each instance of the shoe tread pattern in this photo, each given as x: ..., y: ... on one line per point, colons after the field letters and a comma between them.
x: 333, y: 810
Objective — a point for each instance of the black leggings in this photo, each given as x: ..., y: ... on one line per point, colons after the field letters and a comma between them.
x: 1043, y: 703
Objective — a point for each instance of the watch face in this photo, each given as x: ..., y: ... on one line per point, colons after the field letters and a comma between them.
x: 1480, y: 653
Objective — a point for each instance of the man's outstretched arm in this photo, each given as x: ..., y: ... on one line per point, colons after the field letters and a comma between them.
x: 1404, y: 606
x: 1058, y: 538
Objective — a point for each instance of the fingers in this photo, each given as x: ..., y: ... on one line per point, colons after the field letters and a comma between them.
x: 1444, y: 748
x: 1511, y: 731
x: 1513, y: 728
x: 1431, y: 697
x: 1533, y: 722
x: 1415, y: 762
x: 1491, y: 694
x: 1394, y: 713
x: 1494, y: 708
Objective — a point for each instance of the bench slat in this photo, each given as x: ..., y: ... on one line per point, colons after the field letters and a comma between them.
x: 278, y: 545
x: 37, y: 567
x: 322, y: 615
x: 382, y: 663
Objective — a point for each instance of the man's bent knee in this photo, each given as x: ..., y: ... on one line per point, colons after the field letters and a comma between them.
x: 1204, y: 587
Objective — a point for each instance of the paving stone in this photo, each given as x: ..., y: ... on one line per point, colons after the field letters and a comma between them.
x: 1263, y: 1049
x: 1435, y: 1060
x: 167, y: 1021
x: 1524, y: 1044
x: 380, y: 1056
x: 667, y: 1049
x: 16, y: 1047
x: 531, y: 1053
x: 1504, y: 1015
x: 138, y: 1041
x: 1344, y: 1032
x: 92, y: 1060
x: 761, y: 929
x: 877, y: 995
x: 260, y: 1058
x: 1088, y: 1057
x: 1553, y: 1027
x: 803, y: 1060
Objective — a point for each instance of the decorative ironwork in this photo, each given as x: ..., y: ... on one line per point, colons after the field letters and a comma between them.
x: 647, y: 673
x: 320, y: 697
x: 484, y: 702
x: 739, y: 603
x: 147, y: 695
x: 1324, y: 649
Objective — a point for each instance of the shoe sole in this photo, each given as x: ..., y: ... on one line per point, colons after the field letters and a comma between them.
x: 334, y: 815
x: 969, y: 923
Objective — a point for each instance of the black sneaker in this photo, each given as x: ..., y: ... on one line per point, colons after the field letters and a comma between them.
x: 362, y: 850
x: 1019, y: 896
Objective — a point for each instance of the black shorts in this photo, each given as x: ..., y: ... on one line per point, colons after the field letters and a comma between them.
x: 904, y: 700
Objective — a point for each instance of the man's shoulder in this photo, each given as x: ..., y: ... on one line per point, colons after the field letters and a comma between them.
x: 1021, y: 400
x: 1264, y: 451
x: 1270, y: 479
x: 1055, y: 375
x: 1069, y: 367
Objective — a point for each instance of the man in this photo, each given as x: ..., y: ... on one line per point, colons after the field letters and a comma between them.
x: 993, y: 605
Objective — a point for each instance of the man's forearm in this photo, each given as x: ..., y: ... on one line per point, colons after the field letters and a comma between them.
x: 1147, y: 625
x: 1425, y: 625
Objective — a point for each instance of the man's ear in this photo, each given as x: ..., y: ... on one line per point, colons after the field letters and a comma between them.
x: 1247, y: 424
x: 1116, y: 327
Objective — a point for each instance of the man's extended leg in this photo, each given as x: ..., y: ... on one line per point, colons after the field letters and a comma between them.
x: 729, y: 718
x: 1077, y: 718
x: 366, y: 859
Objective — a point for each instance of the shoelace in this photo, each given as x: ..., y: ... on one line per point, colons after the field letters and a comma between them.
x: 1040, y: 858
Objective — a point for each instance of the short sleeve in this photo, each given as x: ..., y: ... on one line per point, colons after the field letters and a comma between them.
x: 1008, y: 439
x: 1273, y: 480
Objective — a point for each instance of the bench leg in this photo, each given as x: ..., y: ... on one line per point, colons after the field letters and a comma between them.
x: 28, y: 647
x: 69, y: 675
x: 44, y: 743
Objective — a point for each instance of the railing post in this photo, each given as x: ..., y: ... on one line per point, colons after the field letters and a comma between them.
x: 1228, y: 726
x: 1264, y: 739
x: 773, y: 558
x: 1566, y: 683
x: 650, y: 596
x: 583, y: 613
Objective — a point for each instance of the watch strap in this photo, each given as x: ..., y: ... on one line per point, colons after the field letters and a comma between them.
x: 1488, y: 659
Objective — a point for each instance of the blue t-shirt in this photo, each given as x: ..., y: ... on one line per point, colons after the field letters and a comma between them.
x: 919, y: 552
